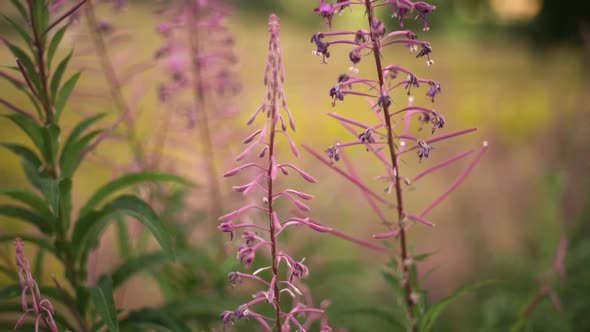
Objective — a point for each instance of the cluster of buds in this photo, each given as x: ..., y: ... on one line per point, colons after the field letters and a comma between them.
x: 388, y: 139
x: 40, y: 308
x: 263, y: 236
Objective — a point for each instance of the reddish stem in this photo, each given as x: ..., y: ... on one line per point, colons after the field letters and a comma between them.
x: 394, y: 162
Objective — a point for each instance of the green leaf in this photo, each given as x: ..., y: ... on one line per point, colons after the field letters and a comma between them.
x: 154, y: 316
x: 90, y: 225
x: 30, y: 162
x: 422, y: 257
x: 38, y: 266
x: 40, y: 16
x: 394, y: 283
x: 10, y: 292
x: 31, y: 128
x: 80, y: 128
x: 65, y: 203
x: 102, y: 296
x: 50, y: 136
x: 25, y: 89
x: 123, y: 237
x: 9, y: 272
x: 19, y: 28
x: 54, y: 43
x: 30, y: 199
x: 127, y: 181
x: 28, y: 65
x: 380, y: 314
x: 64, y: 94
x: 58, y: 74
x: 427, y: 320
x: 72, y: 154
x: 26, y: 215
x: 149, y: 260
x: 21, y: 9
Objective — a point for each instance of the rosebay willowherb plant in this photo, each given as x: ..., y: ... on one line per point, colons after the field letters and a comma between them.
x: 276, y: 279
x: 50, y: 164
x: 391, y: 137
x: 199, y: 63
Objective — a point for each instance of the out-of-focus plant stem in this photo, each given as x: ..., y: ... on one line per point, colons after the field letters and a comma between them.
x: 398, y: 189
x: 71, y: 305
x: 114, y: 83
x: 199, y: 96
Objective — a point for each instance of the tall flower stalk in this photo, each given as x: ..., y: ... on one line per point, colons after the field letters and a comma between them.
x: 200, y: 66
x: 265, y: 181
x: 387, y: 139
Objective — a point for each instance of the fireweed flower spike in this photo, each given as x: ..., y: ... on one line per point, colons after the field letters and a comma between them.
x: 41, y: 308
x: 391, y: 137
x: 263, y: 237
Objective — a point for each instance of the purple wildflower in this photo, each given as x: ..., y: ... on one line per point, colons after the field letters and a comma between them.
x: 434, y: 90
x: 393, y: 125
x: 423, y: 8
x: 278, y: 121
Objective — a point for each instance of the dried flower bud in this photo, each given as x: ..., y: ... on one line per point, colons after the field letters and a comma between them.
x: 333, y: 153
x: 423, y: 8
x: 246, y: 256
x: 423, y: 150
x: 227, y: 227
x: 434, y: 90
x: 234, y: 278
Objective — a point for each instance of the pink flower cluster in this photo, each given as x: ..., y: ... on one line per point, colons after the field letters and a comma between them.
x: 283, y: 275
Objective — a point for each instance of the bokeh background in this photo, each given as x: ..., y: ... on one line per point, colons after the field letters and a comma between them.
x: 518, y: 70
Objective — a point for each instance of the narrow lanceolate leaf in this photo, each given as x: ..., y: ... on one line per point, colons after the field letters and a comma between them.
x: 10, y: 292
x: 28, y: 64
x: 90, y: 225
x: 58, y: 74
x: 165, y: 320
x: 54, y: 43
x: 19, y: 28
x: 21, y: 8
x: 123, y: 243
x: 40, y: 16
x: 26, y: 215
x: 65, y: 204
x: 38, y: 264
x: 72, y: 157
x: 50, y: 147
x: 36, y: 174
x: 79, y: 129
x: 30, y: 199
x: 146, y: 261
x: 125, y: 182
x: 102, y: 297
x: 426, y: 322
x: 30, y: 161
x: 30, y: 127
x: 64, y: 93
x: 394, y: 322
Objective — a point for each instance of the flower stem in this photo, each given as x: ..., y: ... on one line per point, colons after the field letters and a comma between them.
x: 208, y: 151
x: 394, y: 162
x: 113, y: 82
x: 273, y: 237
